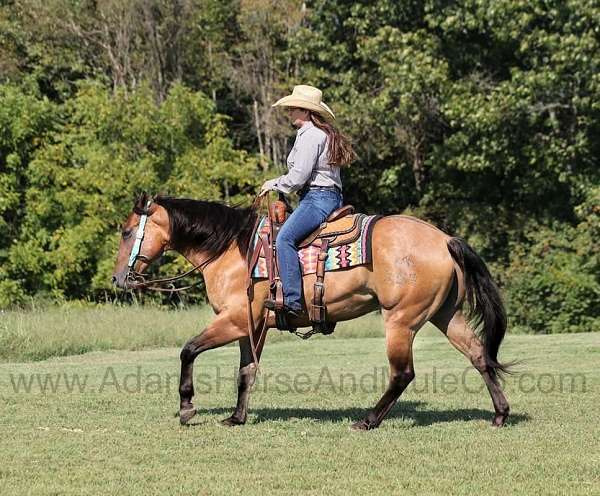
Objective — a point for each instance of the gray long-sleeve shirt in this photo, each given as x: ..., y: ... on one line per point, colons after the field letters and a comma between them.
x: 307, y: 162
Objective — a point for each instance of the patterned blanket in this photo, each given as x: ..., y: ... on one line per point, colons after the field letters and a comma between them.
x: 339, y: 257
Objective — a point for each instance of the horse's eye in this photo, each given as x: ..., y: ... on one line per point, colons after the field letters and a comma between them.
x: 126, y: 234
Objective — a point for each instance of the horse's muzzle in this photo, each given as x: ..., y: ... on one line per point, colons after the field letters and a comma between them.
x: 119, y: 279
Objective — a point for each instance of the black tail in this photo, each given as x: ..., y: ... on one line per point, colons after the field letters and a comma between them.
x: 484, y: 300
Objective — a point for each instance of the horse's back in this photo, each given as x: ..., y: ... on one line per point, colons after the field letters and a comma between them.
x: 398, y: 236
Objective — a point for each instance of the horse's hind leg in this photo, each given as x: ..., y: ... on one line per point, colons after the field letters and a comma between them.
x: 399, y: 339
x: 463, y: 338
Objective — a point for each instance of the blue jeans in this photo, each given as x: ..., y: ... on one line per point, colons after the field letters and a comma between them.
x: 315, y: 206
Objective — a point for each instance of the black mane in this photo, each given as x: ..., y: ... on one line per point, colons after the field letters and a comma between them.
x: 204, y: 225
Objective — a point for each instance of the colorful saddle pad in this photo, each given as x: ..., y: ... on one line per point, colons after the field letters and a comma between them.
x: 357, y: 252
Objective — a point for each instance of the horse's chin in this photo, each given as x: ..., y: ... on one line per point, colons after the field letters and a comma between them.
x: 121, y: 281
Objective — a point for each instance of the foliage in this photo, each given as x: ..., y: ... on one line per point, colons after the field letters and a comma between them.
x: 107, y: 148
x: 553, y: 282
x: 480, y: 116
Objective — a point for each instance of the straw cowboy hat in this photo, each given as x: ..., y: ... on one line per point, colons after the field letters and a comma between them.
x: 306, y: 97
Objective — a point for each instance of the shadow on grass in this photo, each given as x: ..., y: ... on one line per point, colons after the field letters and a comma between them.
x: 408, y: 410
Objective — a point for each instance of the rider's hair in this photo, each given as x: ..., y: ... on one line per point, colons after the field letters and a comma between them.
x: 340, y: 151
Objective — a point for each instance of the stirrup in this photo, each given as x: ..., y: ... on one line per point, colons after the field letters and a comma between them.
x: 283, y: 316
x: 324, y: 327
x: 271, y: 305
x: 282, y: 322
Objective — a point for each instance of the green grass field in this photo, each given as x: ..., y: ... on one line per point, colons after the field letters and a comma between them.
x: 103, y: 422
x: 63, y: 331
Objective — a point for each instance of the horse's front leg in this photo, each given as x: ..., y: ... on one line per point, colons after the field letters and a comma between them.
x: 246, y: 378
x: 219, y: 333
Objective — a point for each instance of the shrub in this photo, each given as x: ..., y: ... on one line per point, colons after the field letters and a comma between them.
x: 553, y: 281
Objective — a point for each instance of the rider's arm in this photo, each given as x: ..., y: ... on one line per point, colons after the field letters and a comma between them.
x: 301, y: 161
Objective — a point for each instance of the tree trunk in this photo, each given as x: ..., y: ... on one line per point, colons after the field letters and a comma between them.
x: 257, y: 127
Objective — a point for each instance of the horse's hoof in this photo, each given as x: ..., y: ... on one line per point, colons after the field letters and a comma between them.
x: 186, y: 415
x: 499, y: 420
x: 232, y: 421
x: 361, y: 425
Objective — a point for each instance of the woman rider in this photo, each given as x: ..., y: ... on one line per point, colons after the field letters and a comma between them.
x: 314, y: 172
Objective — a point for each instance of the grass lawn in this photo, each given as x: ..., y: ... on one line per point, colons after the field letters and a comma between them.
x: 114, y: 432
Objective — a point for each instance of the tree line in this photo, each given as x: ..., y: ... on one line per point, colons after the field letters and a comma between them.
x: 480, y: 116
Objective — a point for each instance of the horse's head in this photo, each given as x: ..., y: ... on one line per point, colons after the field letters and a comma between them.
x: 144, y: 238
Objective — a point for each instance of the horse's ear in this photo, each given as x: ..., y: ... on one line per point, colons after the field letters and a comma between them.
x: 140, y: 202
x: 152, y: 207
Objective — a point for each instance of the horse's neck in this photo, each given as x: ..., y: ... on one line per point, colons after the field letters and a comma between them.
x: 224, y: 276
x: 196, y: 258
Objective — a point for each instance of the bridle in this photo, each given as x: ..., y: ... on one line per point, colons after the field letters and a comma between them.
x: 137, y: 280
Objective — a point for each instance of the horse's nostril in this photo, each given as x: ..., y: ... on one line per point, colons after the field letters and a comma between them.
x: 114, y: 279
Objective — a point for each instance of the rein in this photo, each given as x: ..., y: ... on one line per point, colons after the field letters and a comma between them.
x: 139, y: 281
x: 251, y: 257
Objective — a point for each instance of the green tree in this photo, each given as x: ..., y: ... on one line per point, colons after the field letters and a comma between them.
x: 26, y: 119
x: 107, y: 149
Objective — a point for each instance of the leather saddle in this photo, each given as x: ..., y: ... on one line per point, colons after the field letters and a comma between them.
x: 342, y: 226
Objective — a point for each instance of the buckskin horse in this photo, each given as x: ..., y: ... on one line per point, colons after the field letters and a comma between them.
x: 418, y: 274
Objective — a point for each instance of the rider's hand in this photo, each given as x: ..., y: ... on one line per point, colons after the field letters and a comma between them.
x: 267, y: 186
